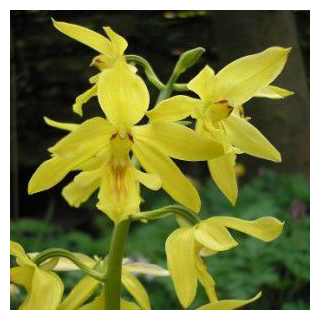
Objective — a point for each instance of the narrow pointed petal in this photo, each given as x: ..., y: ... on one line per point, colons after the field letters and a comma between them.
x: 222, y: 172
x: 266, y: 228
x: 273, y: 92
x: 180, y: 250
x: 244, y: 77
x: 126, y: 105
x: 178, y: 141
x: 84, y: 98
x: 83, y: 290
x: 17, y: 251
x: 174, y: 109
x: 61, y: 125
x: 86, y: 36
x: 214, y: 237
x: 52, y: 171
x: 46, y: 292
x: 120, y: 42
x: 229, y: 304
x: 151, y: 181
x: 249, y: 139
x: 205, y: 279
x: 136, y: 289
x: 92, y: 131
x: 173, y: 180
x: 206, y: 85
x: 146, y: 269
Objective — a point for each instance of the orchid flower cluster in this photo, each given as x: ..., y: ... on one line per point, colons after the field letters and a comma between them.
x: 115, y: 154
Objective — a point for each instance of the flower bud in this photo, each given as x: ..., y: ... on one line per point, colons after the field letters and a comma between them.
x: 188, y: 59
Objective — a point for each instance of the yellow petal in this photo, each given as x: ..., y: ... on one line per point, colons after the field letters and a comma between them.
x: 83, y: 290
x: 75, y: 194
x: 174, y: 109
x: 136, y: 289
x: 205, y: 252
x: 146, y: 269
x: 120, y: 42
x: 273, y: 92
x: 128, y: 305
x: 98, y: 303
x: 51, y: 172
x: 46, y: 292
x: 85, y: 183
x: 180, y: 250
x: 95, y: 78
x: 178, y: 141
x: 22, y: 276
x: 127, y: 104
x: 214, y: 236
x: 222, y: 172
x: 244, y: 77
x: 249, y: 139
x: 229, y: 304
x: 97, y: 161
x: 206, y: 85
x: 173, y: 180
x: 17, y: 251
x: 205, y: 279
x: 86, y: 36
x: 84, y: 98
x: 151, y: 181
x: 91, y: 132
x: 266, y: 228
x: 61, y: 125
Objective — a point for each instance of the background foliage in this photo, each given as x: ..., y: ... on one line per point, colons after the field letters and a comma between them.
x: 49, y: 71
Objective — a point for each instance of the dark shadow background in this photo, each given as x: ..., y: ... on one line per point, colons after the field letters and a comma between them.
x: 48, y: 70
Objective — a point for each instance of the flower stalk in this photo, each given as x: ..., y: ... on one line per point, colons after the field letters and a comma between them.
x: 178, y: 210
x: 112, y: 284
x: 58, y: 252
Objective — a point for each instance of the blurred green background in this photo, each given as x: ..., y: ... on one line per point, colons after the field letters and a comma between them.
x: 48, y: 70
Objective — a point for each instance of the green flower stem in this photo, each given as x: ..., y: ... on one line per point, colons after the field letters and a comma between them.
x: 151, y: 75
x: 112, y: 284
x: 180, y: 87
x: 57, y: 252
x: 166, y: 92
x: 181, y: 211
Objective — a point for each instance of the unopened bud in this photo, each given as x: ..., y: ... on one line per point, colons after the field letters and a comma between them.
x: 188, y: 59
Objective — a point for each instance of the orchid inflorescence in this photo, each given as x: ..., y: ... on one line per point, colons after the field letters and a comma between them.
x: 115, y: 154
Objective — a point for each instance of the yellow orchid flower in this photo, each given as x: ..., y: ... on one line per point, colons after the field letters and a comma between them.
x: 110, y: 50
x: 186, y: 244
x: 44, y: 287
x: 101, y: 149
x: 82, y: 292
x: 218, y: 110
